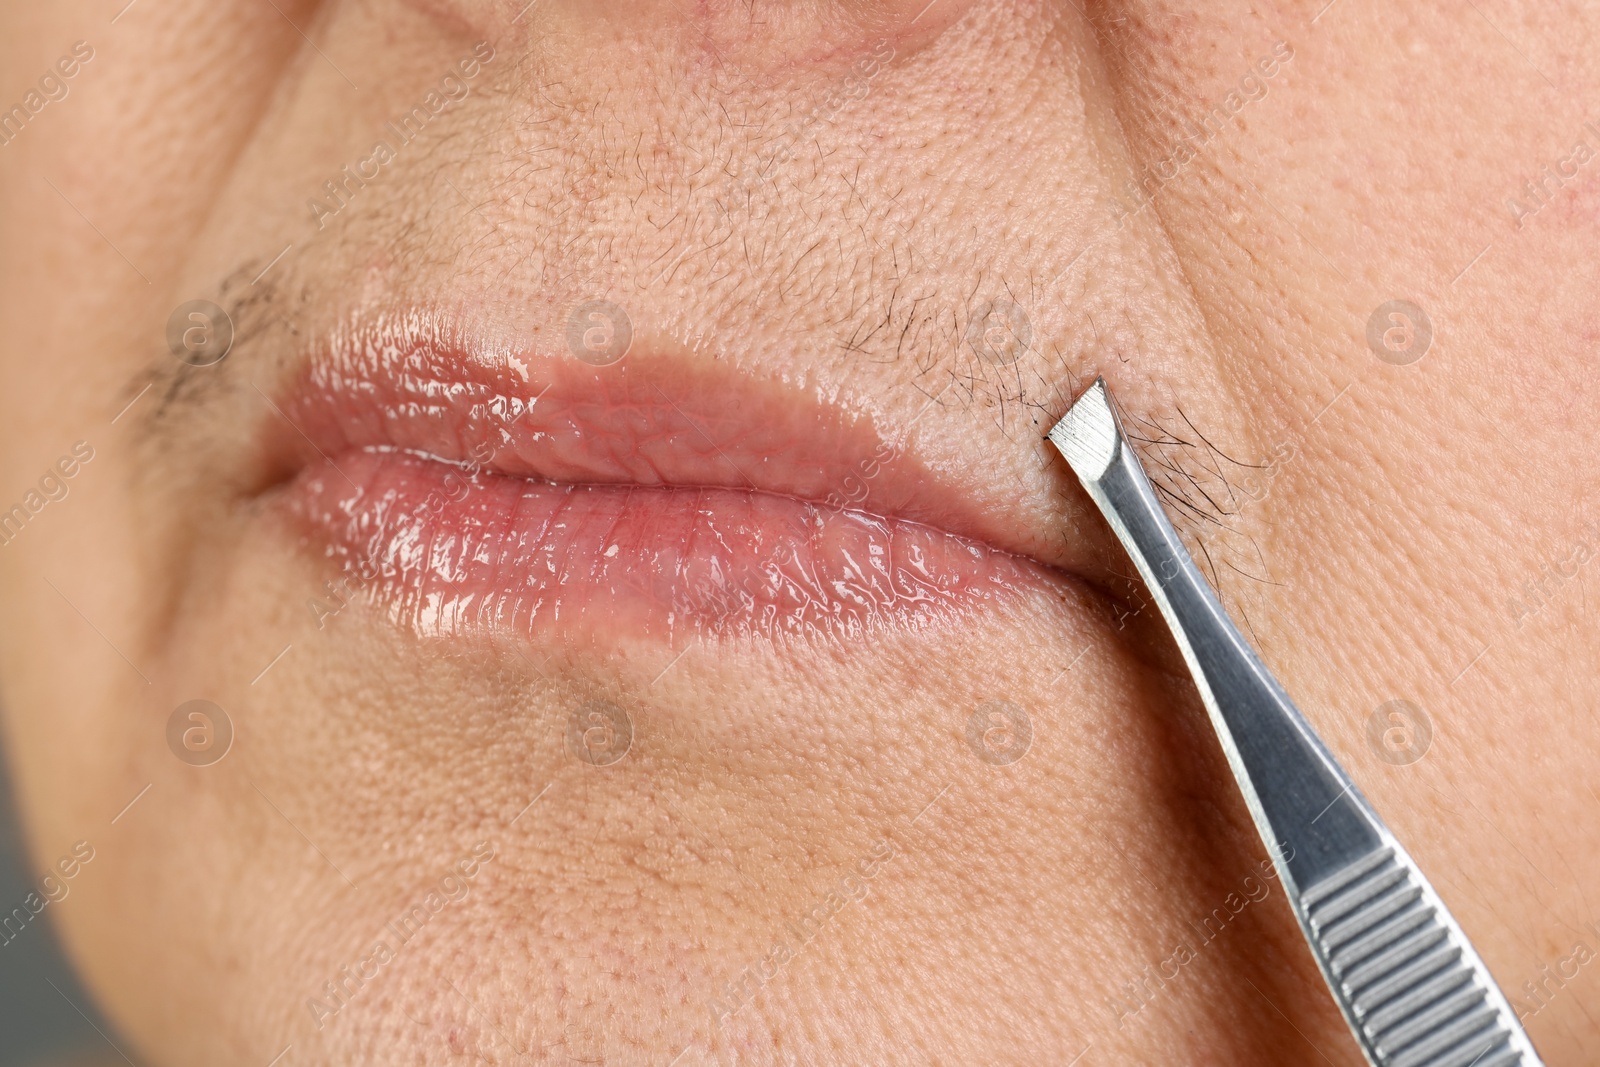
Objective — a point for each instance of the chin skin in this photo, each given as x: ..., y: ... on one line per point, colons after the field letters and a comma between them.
x: 705, y: 839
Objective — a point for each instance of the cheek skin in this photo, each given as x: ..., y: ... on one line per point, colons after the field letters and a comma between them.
x: 1429, y: 495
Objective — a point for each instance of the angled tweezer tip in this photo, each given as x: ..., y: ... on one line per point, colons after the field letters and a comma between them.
x: 1087, y: 433
x: 1406, y: 977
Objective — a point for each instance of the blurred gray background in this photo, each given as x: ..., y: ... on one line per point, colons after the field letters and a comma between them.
x: 40, y: 1025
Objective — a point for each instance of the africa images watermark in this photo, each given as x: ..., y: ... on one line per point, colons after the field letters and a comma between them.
x: 54, y: 885
x: 1195, y: 137
x: 1538, y: 191
x: 1537, y: 993
x: 726, y: 596
x: 351, y: 980
x: 1138, y: 993
x: 53, y: 486
x: 456, y: 486
x: 341, y: 189
x: 1399, y: 732
x: 53, y: 87
x: 199, y: 732
x: 1553, y: 577
x: 738, y: 993
x: 856, y: 85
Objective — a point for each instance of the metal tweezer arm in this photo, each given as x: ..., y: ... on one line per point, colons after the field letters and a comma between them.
x: 1409, y: 983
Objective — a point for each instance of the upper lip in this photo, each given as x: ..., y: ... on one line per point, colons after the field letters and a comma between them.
x: 428, y: 384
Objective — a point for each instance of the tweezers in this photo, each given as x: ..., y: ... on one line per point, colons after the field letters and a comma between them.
x: 1406, y: 978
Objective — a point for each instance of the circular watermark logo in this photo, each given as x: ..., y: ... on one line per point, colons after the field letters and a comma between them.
x: 199, y: 732
x: 999, y: 332
x: 199, y: 333
x: 1399, y: 333
x: 599, y: 333
x: 1399, y: 732
x: 999, y: 732
x: 599, y: 733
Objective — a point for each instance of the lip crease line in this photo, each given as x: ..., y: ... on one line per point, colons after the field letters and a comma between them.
x: 544, y: 495
x: 433, y: 359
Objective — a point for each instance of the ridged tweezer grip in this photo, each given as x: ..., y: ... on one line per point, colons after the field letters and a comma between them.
x: 1402, y: 973
x: 1409, y: 983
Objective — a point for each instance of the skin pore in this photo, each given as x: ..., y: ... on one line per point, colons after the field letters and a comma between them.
x: 916, y: 231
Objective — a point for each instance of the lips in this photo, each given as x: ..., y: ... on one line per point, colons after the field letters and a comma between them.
x: 479, y: 488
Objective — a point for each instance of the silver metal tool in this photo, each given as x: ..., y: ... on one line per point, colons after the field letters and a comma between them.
x: 1407, y: 979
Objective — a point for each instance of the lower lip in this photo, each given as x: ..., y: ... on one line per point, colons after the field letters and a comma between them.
x: 454, y: 552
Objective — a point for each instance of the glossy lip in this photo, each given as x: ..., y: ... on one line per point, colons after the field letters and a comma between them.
x: 483, y: 487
